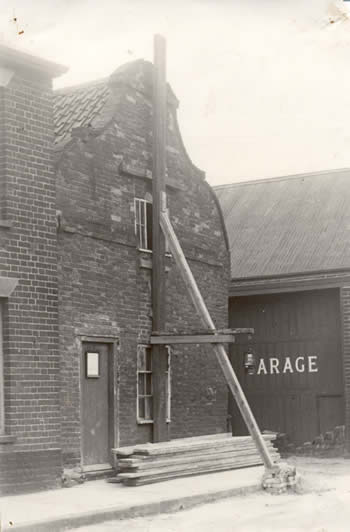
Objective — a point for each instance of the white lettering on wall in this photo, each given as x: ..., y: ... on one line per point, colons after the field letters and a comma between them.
x: 300, y: 367
x: 261, y: 367
x: 312, y: 364
x: 288, y: 366
x: 274, y: 363
x: 300, y: 364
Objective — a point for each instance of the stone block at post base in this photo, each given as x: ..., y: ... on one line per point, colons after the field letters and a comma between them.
x: 280, y: 479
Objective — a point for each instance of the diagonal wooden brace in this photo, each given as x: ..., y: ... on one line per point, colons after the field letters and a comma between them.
x: 219, y: 349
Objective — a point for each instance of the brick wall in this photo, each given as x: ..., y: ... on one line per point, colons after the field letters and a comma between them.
x: 105, y: 282
x: 2, y: 151
x: 28, y: 252
x: 20, y: 474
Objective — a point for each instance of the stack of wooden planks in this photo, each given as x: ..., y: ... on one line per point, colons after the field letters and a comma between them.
x: 155, y: 462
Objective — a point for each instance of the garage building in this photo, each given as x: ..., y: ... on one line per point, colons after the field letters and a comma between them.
x: 290, y: 280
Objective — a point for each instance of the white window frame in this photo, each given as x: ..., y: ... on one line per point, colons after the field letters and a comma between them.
x: 2, y: 380
x: 141, y: 224
x: 168, y: 405
x: 144, y: 371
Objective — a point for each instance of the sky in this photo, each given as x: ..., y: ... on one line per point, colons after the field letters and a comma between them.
x: 264, y: 85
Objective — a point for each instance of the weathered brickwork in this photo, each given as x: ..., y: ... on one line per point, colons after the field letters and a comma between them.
x: 2, y: 151
x: 105, y: 282
x: 19, y: 474
x: 28, y: 252
x: 67, y: 237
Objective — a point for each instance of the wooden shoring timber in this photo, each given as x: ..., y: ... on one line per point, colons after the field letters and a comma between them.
x: 127, y: 451
x: 228, y: 461
x: 168, y: 448
x: 185, y: 444
x: 165, y: 462
x: 192, y: 339
x: 137, y: 479
x: 236, y: 330
x: 219, y: 446
x: 219, y: 349
x: 151, y: 459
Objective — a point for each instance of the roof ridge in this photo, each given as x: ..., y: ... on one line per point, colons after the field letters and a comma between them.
x: 280, y: 178
x: 100, y: 81
x: 83, y: 85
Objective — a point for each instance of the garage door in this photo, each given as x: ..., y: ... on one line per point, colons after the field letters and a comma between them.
x: 297, y: 384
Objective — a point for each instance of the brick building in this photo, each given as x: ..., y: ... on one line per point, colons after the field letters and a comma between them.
x: 290, y: 280
x: 75, y: 279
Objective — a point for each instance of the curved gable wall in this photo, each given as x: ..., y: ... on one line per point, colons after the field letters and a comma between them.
x: 105, y: 281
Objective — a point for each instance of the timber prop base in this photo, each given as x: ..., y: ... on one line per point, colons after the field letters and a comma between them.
x: 280, y: 479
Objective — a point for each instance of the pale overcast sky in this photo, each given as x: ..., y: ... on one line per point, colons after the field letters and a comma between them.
x: 264, y: 85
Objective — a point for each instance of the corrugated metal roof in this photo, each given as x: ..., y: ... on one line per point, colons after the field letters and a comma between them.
x: 288, y: 225
x: 77, y: 107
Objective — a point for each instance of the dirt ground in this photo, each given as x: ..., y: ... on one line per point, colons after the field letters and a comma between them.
x: 322, y: 504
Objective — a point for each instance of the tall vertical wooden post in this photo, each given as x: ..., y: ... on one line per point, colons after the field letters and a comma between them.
x: 159, y: 353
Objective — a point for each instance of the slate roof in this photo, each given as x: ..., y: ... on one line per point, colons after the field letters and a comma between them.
x: 77, y: 107
x: 288, y: 225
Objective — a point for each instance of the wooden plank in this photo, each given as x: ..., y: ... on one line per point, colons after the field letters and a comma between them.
x: 152, y: 480
x: 142, y: 465
x: 197, y: 453
x: 163, y: 449
x: 239, y: 330
x: 159, y: 352
x: 194, y: 450
x: 128, y: 450
x: 193, y: 468
x: 220, y: 352
x: 131, y: 479
x: 193, y: 441
x: 149, y: 452
x: 151, y: 461
x: 190, y: 444
x: 194, y: 339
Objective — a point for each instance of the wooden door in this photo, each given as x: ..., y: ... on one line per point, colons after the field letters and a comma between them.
x: 297, y: 386
x: 96, y: 404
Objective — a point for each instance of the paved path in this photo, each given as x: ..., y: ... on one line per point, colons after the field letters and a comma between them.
x: 323, y: 505
x: 327, y: 512
x: 98, y: 501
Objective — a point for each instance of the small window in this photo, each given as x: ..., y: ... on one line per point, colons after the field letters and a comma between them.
x: 145, y: 386
x: 143, y: 224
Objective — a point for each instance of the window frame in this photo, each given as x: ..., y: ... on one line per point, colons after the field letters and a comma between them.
x: 145, y: 371
x: 2, y: 378
x: 143, y: 225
